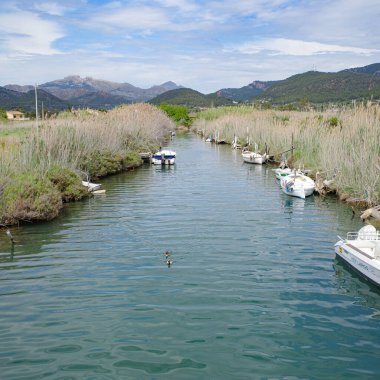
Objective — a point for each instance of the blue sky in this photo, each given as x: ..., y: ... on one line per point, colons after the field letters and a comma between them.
x: 205, y: 45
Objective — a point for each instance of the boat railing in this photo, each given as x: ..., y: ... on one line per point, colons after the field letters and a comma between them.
x: 370, y: 235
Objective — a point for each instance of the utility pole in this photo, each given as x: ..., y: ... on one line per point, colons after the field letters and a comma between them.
x: 35, y: 93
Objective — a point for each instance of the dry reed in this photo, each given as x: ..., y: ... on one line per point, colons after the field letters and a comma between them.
x: 69, y: 137
x: 345, y: 141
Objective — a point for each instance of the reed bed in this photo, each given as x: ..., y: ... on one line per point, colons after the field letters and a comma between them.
x: 344, y: 143
x: 70, y: 137
x: 68, y: 147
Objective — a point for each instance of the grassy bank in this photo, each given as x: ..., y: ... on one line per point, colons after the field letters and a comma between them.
x: 345, y: 142
x: 39, y: 170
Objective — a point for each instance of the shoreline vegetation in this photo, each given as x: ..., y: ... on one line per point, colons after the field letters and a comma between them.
x: 341, y: 147
x: 42, y: 168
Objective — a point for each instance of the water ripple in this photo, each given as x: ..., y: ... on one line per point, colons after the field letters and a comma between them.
x: 253, y: 290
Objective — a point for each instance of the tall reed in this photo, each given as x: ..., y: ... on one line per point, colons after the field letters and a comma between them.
x: 70, y: 137
x: 345, y: 141
x: 41, y: 169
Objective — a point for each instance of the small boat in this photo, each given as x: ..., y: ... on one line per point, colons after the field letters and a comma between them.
x: 164, y: 157
x: 279, y: 172
x: 297, y: 185
x: 284, y: 172
x: 361, y: 250
x: 91, y: 186
x: 254, y: 157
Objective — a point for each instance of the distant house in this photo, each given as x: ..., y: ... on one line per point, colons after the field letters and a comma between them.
x: 16, y: 115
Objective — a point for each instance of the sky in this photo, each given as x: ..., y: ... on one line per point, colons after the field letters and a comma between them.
x: 204, y: 45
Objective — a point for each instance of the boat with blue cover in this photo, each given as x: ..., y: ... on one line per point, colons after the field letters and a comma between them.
x: 164, y: 157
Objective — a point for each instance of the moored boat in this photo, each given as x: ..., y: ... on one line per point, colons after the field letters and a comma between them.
x: 297, y: 185
x: 361, y: 251
x: 254, y: 157
x: 279, y: 172
x: 164, y: 157
x: 91, y: 186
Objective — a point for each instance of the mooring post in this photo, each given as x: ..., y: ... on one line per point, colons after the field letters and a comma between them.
x: 292, y: 143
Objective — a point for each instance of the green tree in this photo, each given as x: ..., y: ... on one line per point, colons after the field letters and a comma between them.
x: 3, y: 114
x: 179, y: 114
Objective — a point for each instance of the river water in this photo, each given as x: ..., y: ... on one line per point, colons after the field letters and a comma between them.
x: 254, y: 291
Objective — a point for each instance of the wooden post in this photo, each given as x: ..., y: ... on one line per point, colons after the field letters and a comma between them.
x: 292, y: 144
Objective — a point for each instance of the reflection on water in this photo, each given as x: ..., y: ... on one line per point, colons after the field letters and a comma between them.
x: 253, y: 289
x: 350, y: 282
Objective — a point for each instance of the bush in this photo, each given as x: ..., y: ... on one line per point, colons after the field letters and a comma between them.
x: 333, y: 121
x: 3, y: 114
x: 67, y: 182
x: 29, y: 197
x: 102, y: 162
x: 131, y: 159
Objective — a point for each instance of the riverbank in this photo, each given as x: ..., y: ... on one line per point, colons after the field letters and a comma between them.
x: 340, y: 145
x: 42, y: 168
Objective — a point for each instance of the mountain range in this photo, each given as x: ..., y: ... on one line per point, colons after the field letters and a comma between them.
x: 316, y: 87
x: 81, y: 92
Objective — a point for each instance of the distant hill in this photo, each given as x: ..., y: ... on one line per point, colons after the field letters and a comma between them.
x: 190, y: 98
x: 318, y: 87
x: 98, y: 100
x: 18, y: 88
x: 246, y: 93
x: 72, y: 88
x: 10, y: 99
x: 370, y: 69
x: 95, y: 93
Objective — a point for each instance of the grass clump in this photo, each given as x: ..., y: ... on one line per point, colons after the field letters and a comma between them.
x: 68, y: 183
x: 29, y: 196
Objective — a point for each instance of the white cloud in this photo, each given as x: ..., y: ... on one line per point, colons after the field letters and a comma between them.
x: 51, y: 8
x: 183, y: 5
x: 135, y: 18
x: 26, y: 33
x: 285, y: 46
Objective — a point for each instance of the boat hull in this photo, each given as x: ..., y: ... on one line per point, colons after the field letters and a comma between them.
x: 361, y: 262
x: 91, y: 186
x: 299, y: 186
x: 164, y: 157
x: 254, y: 158
x: 163, y: 161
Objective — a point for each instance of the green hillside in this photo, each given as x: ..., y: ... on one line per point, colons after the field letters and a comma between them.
x: 26, y: 101
x: 319, y: 87
x: 190, y: 98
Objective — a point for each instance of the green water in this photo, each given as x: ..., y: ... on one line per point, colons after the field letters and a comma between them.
x: 254, y: 291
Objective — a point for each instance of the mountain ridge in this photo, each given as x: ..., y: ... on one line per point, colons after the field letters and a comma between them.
x: 313, y: 86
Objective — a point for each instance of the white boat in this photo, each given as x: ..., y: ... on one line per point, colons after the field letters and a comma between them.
x: 254, y: 157
x: 361, y: 250
x: 279, y: 172
x: 284, y: 172
x: 164, y: 157
x: 91, y: 186
x: 297, y: 185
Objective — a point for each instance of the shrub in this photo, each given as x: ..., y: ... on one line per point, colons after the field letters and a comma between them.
x: 67, y: 182
x: 28, y: 197
x: 102, y: 162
